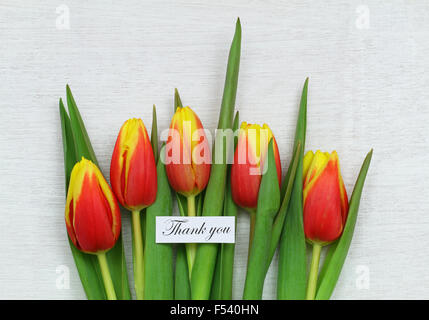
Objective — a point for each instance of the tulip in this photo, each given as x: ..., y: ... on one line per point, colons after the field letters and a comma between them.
x: 92, y: 216
x: 325, y: 206
x: 246, y: 171
x: 134, y: 182
x: 188, y: 154
x: 187, y: 161
x: 133, y: 169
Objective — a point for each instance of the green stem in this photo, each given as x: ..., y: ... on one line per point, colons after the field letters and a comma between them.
x: 138, y: 260
x: 314, y: 271
x: 191, y: 248
x: 105, y: 273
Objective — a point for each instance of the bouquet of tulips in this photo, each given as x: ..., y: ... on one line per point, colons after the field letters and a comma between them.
x: 243, y: 169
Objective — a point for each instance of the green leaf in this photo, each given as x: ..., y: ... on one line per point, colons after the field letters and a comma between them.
x: 291, y: 281
x: 205, y: 260
x: 281, y: 216
x: 222, y: 280
x: 215, y: 293
x: 159, y: 281
x: 200, y: 201
x: 69, y: 147
x: 338, y: 252
x: 182, y: 286
x: 83, y: 144
x: 268, y: 204
x: 89, y: 274
x: 177, y: 101
x: 87, y: 264
x: 182, y: 203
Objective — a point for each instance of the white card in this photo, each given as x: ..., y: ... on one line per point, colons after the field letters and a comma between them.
x: 177, y: 229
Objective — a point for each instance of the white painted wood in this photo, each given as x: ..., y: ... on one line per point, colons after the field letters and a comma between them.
x: 367, y: 63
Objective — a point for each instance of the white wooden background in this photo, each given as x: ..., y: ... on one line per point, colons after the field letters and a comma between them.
x: 367, y: 62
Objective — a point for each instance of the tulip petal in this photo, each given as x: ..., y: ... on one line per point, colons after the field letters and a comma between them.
x: 249, y: 158
x: 343, y: 192
x: 92, y: 214
x: 188, y: 153
x: 245, y: 175
x: 93, y: 227
x: 180, y: 174
x: 132, y: 169
x: 323, y: 216
x: 318, y: 164
x: 141, y: 181
x: 308, y: 159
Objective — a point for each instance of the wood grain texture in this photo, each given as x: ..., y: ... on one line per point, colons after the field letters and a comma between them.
x: 368, y: 88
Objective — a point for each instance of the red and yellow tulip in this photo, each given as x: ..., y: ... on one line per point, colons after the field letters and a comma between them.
x: 188, y: 162
x: 246, y: 171
x: 188, y: 153
x: 325, y: 206
x: 132, y: 168
x: 92, y: 213
x: 325, y: 197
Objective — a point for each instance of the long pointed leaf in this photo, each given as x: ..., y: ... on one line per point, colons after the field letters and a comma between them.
x: 337, y: 253
x: 268, y: 205
x: 281, y: 216
x: 69, y: 146
x: 222, y: 279
x: 87, y: 266
x: 177, y: 101
x: 291, y: 281
x: 159, y: 256
x: 115, y: 256
x: 205, y: 260
x: 83, y: 144
x: 182, y: 287
x: 215, y: 293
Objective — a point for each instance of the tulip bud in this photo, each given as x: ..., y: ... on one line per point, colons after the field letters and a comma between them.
x: 246, y: 171
x: 187, y: 153
x: 325, y: 197
x: 132, y: 169
x: 92, y: 213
